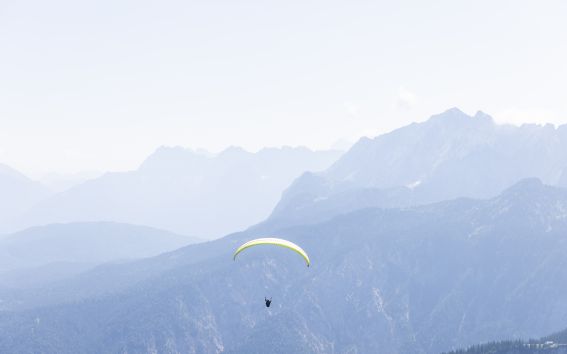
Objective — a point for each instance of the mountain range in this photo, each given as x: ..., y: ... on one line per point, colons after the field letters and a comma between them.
x: 18, y: 193
x: 434, y: 237
x: 42, y: 254
x: 412, y: 280
x: 451, y: 155
x: 187, y: 192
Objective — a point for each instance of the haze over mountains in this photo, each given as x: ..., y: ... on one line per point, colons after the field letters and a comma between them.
x: 59, y: 182
x: 433, y: 237
x: 450, y: 155
x: 188, y: 192
x: 419, y: 280
x: 17, y: 193
x: 56, y: 251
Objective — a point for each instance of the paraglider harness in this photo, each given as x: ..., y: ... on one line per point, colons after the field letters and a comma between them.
x: 268, y: 302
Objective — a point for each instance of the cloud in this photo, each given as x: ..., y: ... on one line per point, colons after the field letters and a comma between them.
x: 405, y: 99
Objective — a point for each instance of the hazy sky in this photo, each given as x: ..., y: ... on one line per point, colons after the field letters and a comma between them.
x: 98, y: 85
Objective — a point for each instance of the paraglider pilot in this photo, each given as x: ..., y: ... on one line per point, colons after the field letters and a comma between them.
x: 268, y: 302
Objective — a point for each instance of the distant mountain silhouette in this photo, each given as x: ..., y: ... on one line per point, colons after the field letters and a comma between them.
x: 450, y: 155
x: 184, y: 191
x: 59, y: 182
x: 57, y: 250
x: 413, y: 280
x: 18, y: 193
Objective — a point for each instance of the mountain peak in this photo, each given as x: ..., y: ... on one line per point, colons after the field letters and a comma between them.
x: 480, y: 115
x: 456, y: 111
x: 452, y: 114
x: 525, y: 187
x: 455, y: 118
x: 531, y: 197
x: 171, y: 157
x: 234, y: 151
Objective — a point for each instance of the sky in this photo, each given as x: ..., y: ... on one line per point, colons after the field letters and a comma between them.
x: 99, y: 85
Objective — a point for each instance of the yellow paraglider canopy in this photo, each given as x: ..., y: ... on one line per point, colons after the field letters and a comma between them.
x: 276, y: 242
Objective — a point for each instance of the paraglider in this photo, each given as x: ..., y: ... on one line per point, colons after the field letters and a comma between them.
x: 274, y: 242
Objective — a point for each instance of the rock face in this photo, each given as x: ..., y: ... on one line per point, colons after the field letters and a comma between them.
x: 186, y: 192
x: 449, y: 156
x: 414, y: 280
